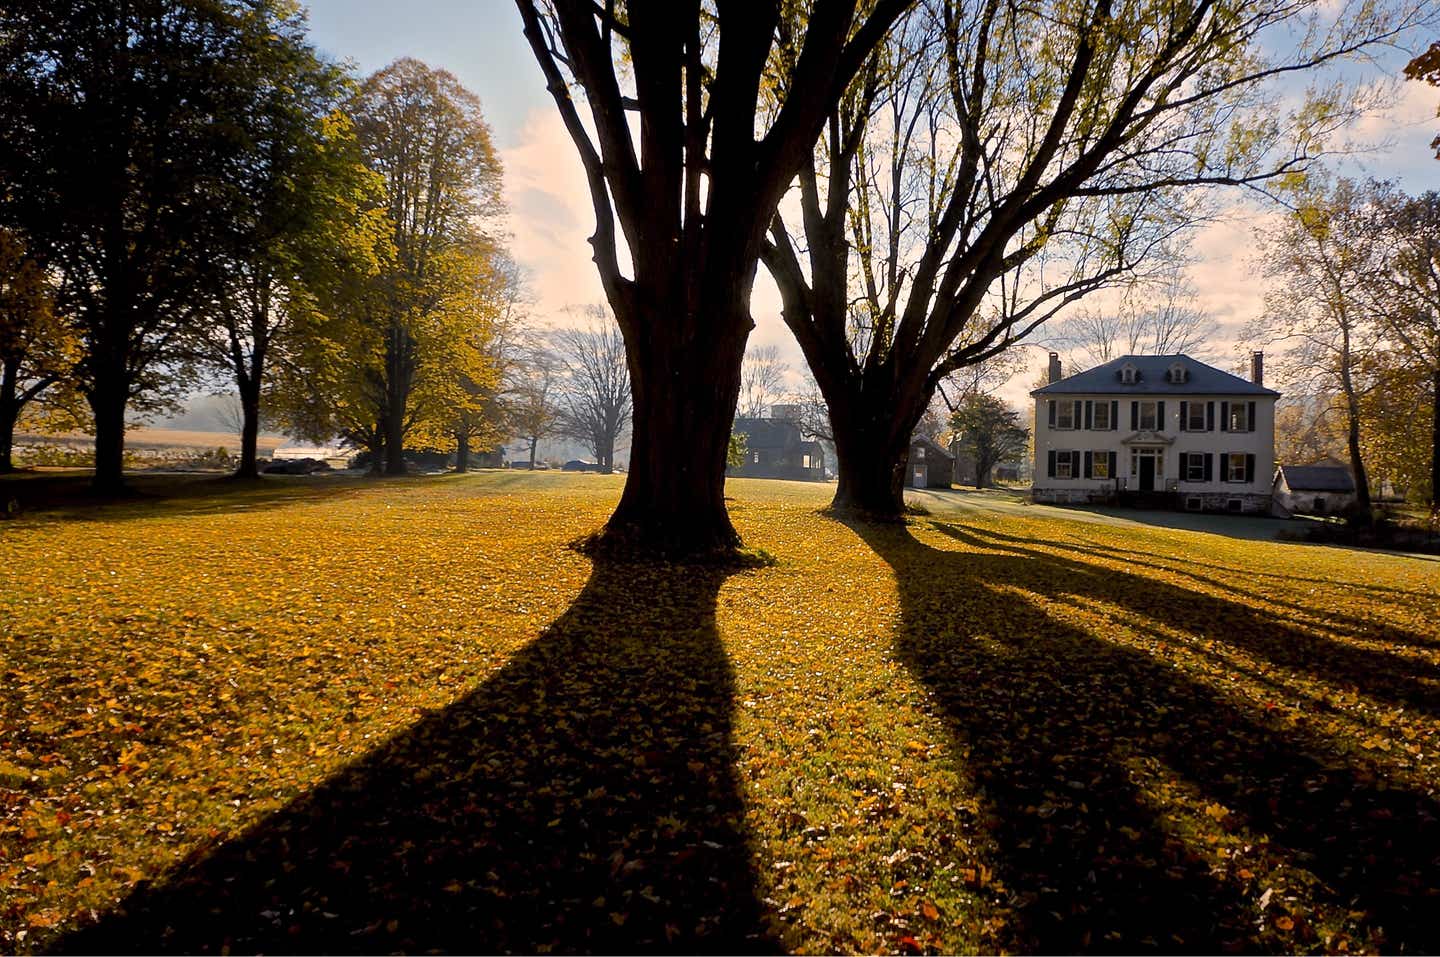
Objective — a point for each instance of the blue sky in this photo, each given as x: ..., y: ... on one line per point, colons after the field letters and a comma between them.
x: 480, y: 41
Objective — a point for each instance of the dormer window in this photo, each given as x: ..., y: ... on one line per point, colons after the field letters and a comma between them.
x: 1129, y: 374
x: 1177, y: 373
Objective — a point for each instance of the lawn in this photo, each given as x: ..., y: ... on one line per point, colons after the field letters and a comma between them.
x: 357, y: 715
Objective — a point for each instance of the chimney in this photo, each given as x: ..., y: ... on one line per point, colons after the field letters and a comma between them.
x: 1055, y: 367
x: 1257, y: 368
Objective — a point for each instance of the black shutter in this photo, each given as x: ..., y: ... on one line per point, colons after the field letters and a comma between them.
x: 1250, y: 420
x: 1209, y: 466
x: 1209, y: 416
x: 1114, y: 415
x: 1160, y: 416
x: 1249, y: 468
x: 1051, y: 404
x: 1184, y: 414
x: 1224, y: 416
x: 1089, y: 411
x: 1112, y: 467
x: 1088, y: 467
x: 1051, y: 456
x: 1134, y: 416
x: 1077, y: 414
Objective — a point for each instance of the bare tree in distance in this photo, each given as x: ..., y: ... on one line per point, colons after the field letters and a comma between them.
x: 762, y: 381
x: 1158, y: 318
x: 688, y: 153
x: 533, y: 398
x: 595, y: 392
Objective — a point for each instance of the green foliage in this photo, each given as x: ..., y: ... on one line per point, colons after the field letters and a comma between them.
x: 990, y: 431
x: 736, y: 450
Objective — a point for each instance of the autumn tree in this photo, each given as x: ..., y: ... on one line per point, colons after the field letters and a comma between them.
x: 129, y: 158
x: 1426, y: 67
x: 424, y: 134
x: 595, y: 385
x: 479, y: 417
x: 1318, y: 260
x: 1308, y: 428
x: 314, y: 210
x: 37, y: 349
x: 686, y: 170
x: 997, y: 162
x: 990, y: 431
x: 1405, y: 291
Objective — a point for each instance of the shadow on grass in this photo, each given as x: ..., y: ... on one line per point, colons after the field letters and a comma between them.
x: 581, y: 799
x: 1091, y: 757
x: 68, y: 496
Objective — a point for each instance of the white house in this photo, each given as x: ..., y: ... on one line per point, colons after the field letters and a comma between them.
x: 1160, y: 429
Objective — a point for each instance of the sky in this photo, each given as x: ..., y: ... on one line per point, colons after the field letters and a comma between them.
x: 550, y: 217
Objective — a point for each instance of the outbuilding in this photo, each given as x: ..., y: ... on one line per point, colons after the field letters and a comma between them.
x: 1323, y: 488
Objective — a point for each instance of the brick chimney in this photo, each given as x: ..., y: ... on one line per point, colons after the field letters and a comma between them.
x: 1054, y: 367
x: 1257, y: 368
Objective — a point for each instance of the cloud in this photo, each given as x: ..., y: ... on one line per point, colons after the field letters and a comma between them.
x: 551, y: 218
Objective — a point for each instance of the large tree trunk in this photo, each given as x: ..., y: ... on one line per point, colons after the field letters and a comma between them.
x: 462, y: 452
x: 108, y: 399
x: 9, y: 413
x: 534, y: 441
x: 249, y: 467
x: 685, y: 380
x: 872, y: 449
x: 395, y: 440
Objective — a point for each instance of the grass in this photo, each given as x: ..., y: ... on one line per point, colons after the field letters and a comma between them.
x: 404, y: 715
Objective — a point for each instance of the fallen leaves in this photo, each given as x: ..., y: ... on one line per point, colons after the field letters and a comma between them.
x: 1002, y: 732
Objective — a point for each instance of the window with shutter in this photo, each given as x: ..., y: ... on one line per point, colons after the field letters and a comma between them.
x: 1149, y: 416
x: 1194, y: 415
x: 1101, y: 415
x: 1235, y: 467
x: 1099, y: 462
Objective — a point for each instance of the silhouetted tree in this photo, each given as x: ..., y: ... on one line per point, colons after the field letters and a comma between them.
x: 990, y: 431
x: 684, y: 152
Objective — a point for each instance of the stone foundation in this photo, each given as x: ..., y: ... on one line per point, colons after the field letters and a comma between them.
x: 1238, y: 503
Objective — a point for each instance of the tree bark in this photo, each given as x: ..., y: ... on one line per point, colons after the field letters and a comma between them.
x: 1435, y: 438
x: 1357, y: 463
x: 534, y: 441
x: 395, y: 440
x: 9, y: 413
x: 249, y: 466
x: 462, y: 452
x: 108, y: 399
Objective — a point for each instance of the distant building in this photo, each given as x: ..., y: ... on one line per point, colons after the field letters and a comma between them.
x: 776, y: 448
x: 1323, y: 488
x: 930, y: 466
x: 1156, y: 430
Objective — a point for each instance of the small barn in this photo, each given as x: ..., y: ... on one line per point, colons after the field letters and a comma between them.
x: 930, y: 466
x: 1324, y: 488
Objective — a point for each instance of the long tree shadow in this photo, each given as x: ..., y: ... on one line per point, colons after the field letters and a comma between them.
x: 1088, y: 753
x: 581, y: 799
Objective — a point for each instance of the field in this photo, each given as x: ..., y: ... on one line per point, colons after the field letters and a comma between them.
x: 404, y: 715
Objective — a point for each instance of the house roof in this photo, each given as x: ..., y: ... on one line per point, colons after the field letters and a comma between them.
x: 1201, y: 379
x: 931, y: 446
x: 768, y: 433
x: 1318, y: 478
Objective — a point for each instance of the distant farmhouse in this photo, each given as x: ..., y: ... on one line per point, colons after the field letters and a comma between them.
x: 930, y: 466
x: 1159, y: 431
x: 776, y: 448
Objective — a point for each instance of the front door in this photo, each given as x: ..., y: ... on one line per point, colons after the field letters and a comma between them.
x: 1147, y: 473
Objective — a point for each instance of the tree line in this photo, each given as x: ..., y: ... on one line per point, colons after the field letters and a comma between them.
x: 191, y: 196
